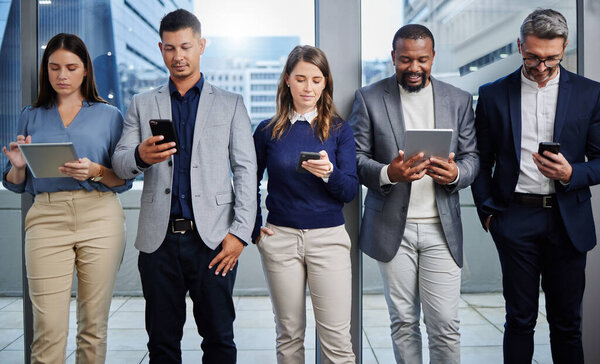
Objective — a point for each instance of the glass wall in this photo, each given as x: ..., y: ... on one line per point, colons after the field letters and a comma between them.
x: 475, y: 40
x: 10, y: 73
x: 121, y: 36
x: 248, y: 43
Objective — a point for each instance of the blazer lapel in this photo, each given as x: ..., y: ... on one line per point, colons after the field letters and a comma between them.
x: 163, y: 100
x: 514, y: 105
x: 564, y: 94
x: 391, y: 99
x: 441, y: 109
x: 205, y: 103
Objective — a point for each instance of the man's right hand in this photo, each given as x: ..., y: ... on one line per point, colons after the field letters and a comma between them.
x: 400, y: 170
x: 151, y: 153
x: 487, y: 223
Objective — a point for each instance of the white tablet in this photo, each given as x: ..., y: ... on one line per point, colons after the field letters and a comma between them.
x: 432, y: 142
x: 44, y: 159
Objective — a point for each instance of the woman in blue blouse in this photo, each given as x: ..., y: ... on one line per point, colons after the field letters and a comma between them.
x: 76, y: 221
x: 304, y: 240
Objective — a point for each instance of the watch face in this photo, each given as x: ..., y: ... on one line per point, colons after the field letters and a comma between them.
x: 97, y: 179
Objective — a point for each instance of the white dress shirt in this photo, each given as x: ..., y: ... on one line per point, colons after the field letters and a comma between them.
x: 538, y: 110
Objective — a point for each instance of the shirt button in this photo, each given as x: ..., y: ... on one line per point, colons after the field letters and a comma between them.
x: 167, y: 190
x: 183, y: 196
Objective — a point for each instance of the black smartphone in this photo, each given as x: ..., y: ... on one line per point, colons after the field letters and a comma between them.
x: 165, y: 128
x: 549, y: 146
x: 304, y: 156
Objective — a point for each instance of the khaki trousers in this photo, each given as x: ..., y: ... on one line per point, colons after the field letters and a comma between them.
x: 321, y: 257
x: 63, y: 231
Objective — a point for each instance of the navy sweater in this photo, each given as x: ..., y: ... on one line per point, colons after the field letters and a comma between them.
x: 302, y: 200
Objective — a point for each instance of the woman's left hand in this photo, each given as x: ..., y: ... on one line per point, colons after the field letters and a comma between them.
x: 319, y: 167
x: 81, y: 170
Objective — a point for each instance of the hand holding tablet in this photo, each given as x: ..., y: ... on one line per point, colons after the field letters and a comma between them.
x: 44, y: 159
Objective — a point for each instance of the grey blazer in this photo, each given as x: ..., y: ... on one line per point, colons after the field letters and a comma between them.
x: 379, y: 133
x: 222, y: 148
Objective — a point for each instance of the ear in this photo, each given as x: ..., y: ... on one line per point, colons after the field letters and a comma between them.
x: 160, y: 45
x: 286, y: 78
x: 393, y: 54
x: 202, y: 44
x: 519, y: 45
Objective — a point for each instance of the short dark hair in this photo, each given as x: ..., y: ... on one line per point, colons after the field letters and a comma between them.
x: 177, y: 20
x: 413, y: 31
x: 74, y: 44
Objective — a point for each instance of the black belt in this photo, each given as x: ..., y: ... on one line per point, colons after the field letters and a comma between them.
x: 180, y: 226
x: 529, y: 199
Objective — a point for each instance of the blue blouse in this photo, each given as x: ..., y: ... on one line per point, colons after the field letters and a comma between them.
x: 94, y: 133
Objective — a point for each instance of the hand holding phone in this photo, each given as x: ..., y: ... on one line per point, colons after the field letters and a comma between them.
x: 165, y: 128
x: 304, y: 156
x: 549, y: 146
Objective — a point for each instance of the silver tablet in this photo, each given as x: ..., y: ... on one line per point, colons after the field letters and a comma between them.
x: 432, y: 142
x: 44, y: 159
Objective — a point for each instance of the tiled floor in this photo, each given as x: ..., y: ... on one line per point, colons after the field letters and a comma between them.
x: 481, y: 316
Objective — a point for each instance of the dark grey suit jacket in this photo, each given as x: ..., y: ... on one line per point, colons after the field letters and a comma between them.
x: 379, y: 133
x: 223, y: 152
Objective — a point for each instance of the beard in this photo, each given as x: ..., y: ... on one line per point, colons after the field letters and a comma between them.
x: 533, y: 74
x: 410, y: 88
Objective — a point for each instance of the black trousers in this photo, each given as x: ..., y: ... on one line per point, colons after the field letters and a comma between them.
x: 532, y: 242
x: 180, y: 266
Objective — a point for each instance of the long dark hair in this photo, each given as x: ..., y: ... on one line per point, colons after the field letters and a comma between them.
x: 285, y: 104
x: 73, y: 44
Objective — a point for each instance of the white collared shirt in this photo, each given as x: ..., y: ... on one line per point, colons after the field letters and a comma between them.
x: 309, y: 116
x: 538, y: 110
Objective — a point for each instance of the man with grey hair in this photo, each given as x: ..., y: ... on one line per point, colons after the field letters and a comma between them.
x: 535, y: 128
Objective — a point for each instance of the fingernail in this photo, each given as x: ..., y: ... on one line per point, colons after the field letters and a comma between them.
x: 216, y: 273
x: 210, y: 267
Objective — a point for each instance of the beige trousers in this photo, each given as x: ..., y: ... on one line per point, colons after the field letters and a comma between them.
x: 321, y: 257
x: 63, y: 231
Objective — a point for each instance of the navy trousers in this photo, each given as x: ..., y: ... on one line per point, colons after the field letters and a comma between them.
x: 180, y: 266
x: 532, y: 242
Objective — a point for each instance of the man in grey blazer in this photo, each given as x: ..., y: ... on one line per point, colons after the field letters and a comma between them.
x: 193, y: 221
x: 411, y: 223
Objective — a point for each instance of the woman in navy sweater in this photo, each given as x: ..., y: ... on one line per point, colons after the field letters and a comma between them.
x: 304, y: 239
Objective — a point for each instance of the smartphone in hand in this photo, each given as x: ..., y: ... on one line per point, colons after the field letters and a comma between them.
x: 549, y: 146
x: 165, y: 128
x: 304, y: 156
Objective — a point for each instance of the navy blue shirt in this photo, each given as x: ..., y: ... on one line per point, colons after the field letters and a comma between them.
x: 302, y: 200
x: 183, y: 112
x: 94, y: 133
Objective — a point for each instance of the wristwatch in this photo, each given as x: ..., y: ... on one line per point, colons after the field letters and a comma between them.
x: 100, y: 174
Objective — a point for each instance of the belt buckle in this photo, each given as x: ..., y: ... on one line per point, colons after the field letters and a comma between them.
x: 546, y: 202
x: 180, y: 231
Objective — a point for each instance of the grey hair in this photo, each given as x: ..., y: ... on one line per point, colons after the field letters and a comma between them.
x: 545, y: 24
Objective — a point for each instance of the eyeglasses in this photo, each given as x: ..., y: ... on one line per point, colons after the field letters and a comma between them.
x: 534, y: 62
